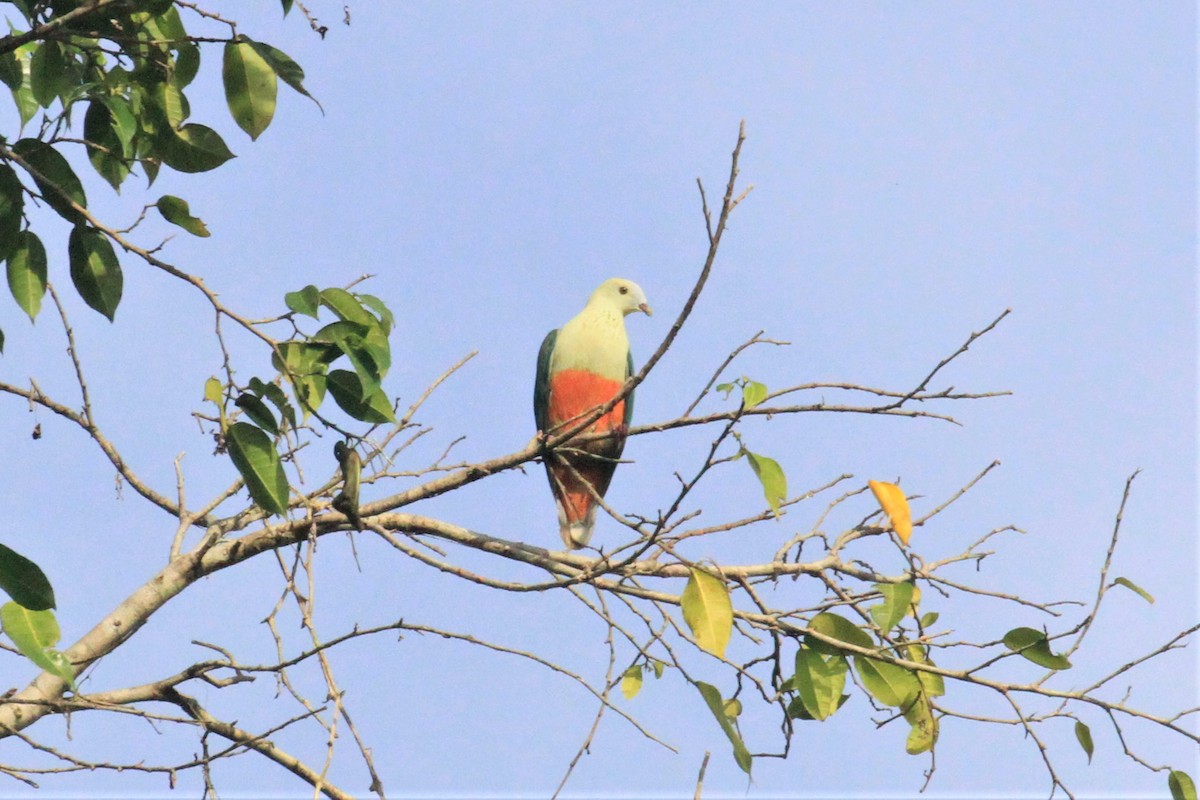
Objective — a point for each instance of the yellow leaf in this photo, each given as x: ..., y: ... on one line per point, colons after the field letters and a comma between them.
x: 895, y: 505
x: 708, y: 611
x: 631, y: 681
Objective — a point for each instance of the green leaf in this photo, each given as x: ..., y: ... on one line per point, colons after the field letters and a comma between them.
x: 55, y: 179
x: 347, y: 307
x: 50, y: 74
x: 27, y: 273
x: 10, y: 70
x: 712, y: 697
x: 1, y: 341
x: 631, y: 681
x: 287, y: 6
x: 924, y: 732
x: 258, y: 412
x: 380, y: 308
x: 658, y: 667
x: 839, y: 628
x: 1181, y: 786
x: 35, y: 633
x: 187, y: 64
x: 304, y: 367
x: 770, y: 475
x: 288, y: 70
x: 1033, y: 645
x: 1133, y: 587
x: 888, y: 683
x: 253, y: 453
x: 107, y: 154
x: 724, y: 388
x: 708, y: 611
x: 27, y: 104
x: 928, y: 618
x: 277, y: 397
x: 306, y: 301
x: 897, y: 599
x: 933, y: 684
x: 12, y: 206
x: 95, y: 270
x: 250, y: 86
x: 347, y: 391
x: 1084, y: 735
x: 176, y: 211
x: 819, y: 682
x: 753, y: 393
x: 351, y: 339
x: 194, y: 148
x: 24, y: 581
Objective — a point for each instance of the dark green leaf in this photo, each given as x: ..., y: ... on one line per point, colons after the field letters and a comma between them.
x: 287, y: 6
x: 24, y: 581
x: 10, y: 70
x: 12, y: 206
x: 1181, y: 786
x: 897, y: 598
x: 253, y: 453
x: 1084, y: 735
x: 350, y: 339
x: 27, y: 273
x: 347, y: 392
x: 105, y: 149
x: 836, y: 627
x: 712, y: 697
x: 194, y: 148
x: 95, y: 270
x: 187, y: 64
x: 1133, y: 587
x: 55, y: 179
x: 1033, y: 645
x: 35, y: 633
x: 49, y: 73
x: 176, y: 211
x: 250, y: 87
x: 258, y: 412
x: 277, y: 397
x: 306, y: 301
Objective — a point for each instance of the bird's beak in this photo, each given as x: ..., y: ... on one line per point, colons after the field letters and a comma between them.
x: 646, y: 309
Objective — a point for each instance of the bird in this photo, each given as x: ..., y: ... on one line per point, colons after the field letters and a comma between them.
x: 346, y: 500
x: 583, y: 365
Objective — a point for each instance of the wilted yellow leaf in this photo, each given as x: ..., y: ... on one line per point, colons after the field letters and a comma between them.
x: 893, y: 502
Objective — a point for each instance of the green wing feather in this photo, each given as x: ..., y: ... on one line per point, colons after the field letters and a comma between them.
x: 541, y: 384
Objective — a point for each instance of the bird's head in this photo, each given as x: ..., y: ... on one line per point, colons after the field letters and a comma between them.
x: 622, y: 294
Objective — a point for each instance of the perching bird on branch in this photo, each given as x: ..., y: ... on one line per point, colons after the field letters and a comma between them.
x: 582, y: 365
x: 346, y: 501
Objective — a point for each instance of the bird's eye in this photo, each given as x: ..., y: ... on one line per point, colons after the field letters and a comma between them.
x: 624, y: 290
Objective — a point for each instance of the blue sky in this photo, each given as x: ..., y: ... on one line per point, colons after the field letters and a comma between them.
x: 916, y: 171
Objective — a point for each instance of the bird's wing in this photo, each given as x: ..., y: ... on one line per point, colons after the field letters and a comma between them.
x: 541, y: 383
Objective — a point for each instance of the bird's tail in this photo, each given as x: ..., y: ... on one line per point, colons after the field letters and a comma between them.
x: 576, y: 534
